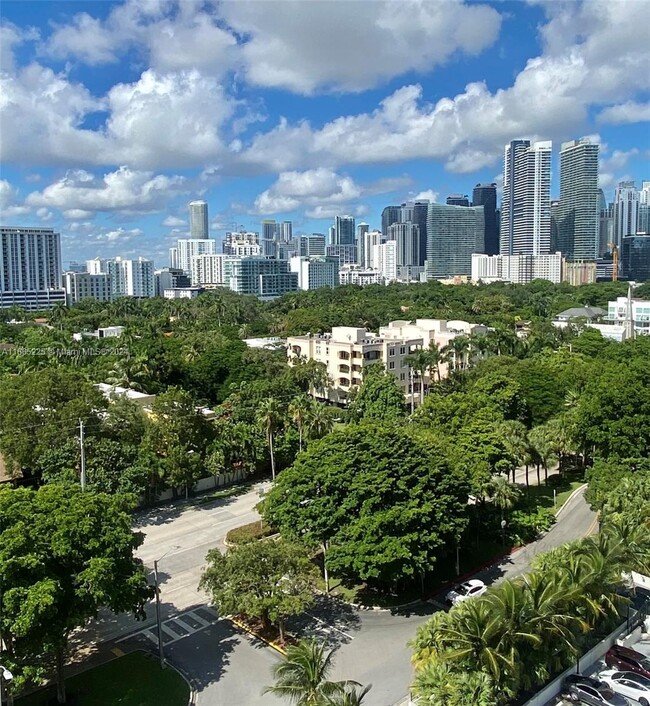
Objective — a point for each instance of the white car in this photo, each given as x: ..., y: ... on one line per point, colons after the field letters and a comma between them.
x: 465, y: 590
x: 634, y: 686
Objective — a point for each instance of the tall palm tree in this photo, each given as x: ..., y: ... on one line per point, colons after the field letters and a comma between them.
x: 456, y: 352
x: 515, y: 438
x: 419, y: 361
x: 302, y: 676
x: 504, y: 495
x: 269, y: 417
x: 299, y: 410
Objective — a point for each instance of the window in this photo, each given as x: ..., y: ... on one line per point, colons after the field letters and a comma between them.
x: 391, y: 365
x: 402, y: 376
x: 402, y: 350
x: 391, y: 351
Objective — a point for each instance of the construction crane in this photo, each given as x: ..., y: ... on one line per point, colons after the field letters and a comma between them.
x: 614, y: 251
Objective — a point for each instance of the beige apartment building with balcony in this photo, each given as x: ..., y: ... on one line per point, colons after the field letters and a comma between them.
x: 347, y: 350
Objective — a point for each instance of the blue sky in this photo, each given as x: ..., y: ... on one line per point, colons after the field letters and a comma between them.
x: 115, y: 115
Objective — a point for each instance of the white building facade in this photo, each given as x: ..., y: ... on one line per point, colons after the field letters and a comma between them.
x: 518, y: 269
x: 352, y: 274
x: 316, y: 272
x: 83, y: 285
x: 189, y: 248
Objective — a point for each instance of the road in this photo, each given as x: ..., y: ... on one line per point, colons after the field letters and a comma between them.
x: 179, y: 536
x: 230, y: 668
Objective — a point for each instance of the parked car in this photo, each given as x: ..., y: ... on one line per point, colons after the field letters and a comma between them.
x: 587, y: 690
x: 465, y: 590
x: 634, y: 686
x: 627, y: 660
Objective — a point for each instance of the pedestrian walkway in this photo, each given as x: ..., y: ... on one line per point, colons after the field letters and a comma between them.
x: 180, y: 626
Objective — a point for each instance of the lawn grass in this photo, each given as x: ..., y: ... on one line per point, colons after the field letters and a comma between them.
x: 133, y: 680
x: 543, y: 494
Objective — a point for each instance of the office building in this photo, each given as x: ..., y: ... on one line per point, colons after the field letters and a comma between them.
x: 286, y: 231
x: 361, y: 276
x: 312, y: 245
x: 199, y: 227
x: 579, y: 211
x: 76, y: 266
x: 271, y: 236
x: 518, y: 269
x: 605, y: 225
x: 407, y: 238
x: 344, y: 231
x: 347, y: 254
x: 486, y: 195
x: 362, y: 229
x: 420, y: 213
x: 83, y: 285
x: 30, y: 268
x: 635, y: 257
x: 390, y: 215
x: 626, y: 211
x: 454, y: 233
x: 406, y: 212
x: 457, y: 200
x: 316, y: 272
x: 265, y: 278
x: 169, y: 278
x: 525, y: 206
x: 367, y: 245
x: 188, y: 248
x: 173, y: 258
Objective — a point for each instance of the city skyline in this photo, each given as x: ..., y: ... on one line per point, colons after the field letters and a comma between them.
x: 107, y: 138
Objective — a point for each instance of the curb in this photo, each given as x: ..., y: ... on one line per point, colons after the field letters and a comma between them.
x: 188, y: 680
x: 579, y: 489
x: 246, y: 629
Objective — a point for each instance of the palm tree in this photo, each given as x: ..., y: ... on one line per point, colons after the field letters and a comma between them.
x: 299, y: 410
x: 504, y: 495
x: 269, y: 417
x: 349, y: 696
x: 456, y: 351
x: 320, y: 421
x: 515, y: 438
x: 419, y: 361
x: 302, y: 676
x: 542, y: 447
x: 244, y: 331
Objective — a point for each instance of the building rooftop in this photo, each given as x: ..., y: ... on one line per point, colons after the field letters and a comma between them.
x: 578, y: 312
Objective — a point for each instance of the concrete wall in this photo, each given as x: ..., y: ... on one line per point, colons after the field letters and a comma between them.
x: 204, y: 484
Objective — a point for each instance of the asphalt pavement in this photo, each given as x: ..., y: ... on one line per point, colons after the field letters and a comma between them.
x: 231, y: 668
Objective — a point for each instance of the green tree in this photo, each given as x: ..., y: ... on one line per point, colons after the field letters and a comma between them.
x: 269, y: 580
x: 299, y: 410
x: 437, y: 684
x: 320, y: 422
x: 270, y: 416
x: 379, y: 397
x: 302, y: 678
x: 385, y: 501
x: 64, y: 554
x: 179, y: 434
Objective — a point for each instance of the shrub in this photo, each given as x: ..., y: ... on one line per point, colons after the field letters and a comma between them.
x: 249, y: 533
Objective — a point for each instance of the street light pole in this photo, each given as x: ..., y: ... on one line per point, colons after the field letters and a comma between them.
x: 5, y: 675
x: 83, y: 455
x: 161, y: 653
x: 503, y: 532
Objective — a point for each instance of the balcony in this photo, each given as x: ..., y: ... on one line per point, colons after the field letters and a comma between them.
x: 372, y: 355
x: 357, y: 368
x: 344, y: 368
x: 344, y: 382
x: 344, y: 356
x: 357, y: 381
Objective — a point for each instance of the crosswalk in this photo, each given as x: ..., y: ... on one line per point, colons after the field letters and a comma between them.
x: 180, y: 626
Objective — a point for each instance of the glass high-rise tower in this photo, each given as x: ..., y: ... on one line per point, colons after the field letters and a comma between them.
x: 578, y: 227
x: 198, y: 219
x: 454, y: 233
x: 526, y: 202
x: 486, y: 195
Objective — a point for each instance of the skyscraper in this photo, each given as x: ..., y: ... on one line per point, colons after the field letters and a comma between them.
x: 605, y: 224
x: 198, y: 219
x: 486, y: 195
x: 525, y: 207
x: 390, y: 215
x: 30, y: 268
x: 420, y: 211
x: 407, y: 237
x: 643, y: 225
x: 128, y: 278
x: 457, y: 200
x: 362, y: 229
x: 626, y: 211
x: 344, y: 233
x: 454, y: 233
x: 578, y: 213
x: 367, y: 251
x: 286, y: 231
x: 188, y: 248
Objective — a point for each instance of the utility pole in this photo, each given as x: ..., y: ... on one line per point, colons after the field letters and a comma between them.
x: 412, y: 390
x: 161, y: 654
x: 83, y: 455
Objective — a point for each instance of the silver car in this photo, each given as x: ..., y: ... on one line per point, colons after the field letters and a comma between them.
x: 634, y: 686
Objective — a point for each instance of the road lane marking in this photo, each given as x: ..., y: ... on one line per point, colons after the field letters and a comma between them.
x: 330, y: 627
